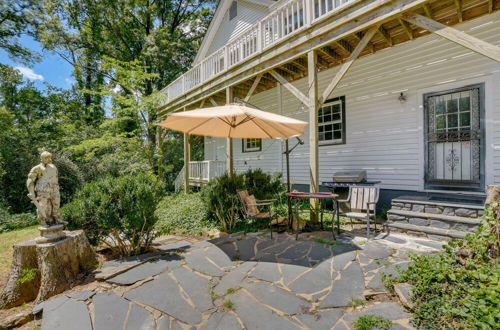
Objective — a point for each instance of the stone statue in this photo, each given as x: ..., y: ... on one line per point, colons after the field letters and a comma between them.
x: 43, y: 188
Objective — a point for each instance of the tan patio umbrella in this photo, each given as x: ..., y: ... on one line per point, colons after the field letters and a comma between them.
x: 234, y: 121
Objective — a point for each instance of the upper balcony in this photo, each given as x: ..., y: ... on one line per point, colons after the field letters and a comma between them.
x: 275, y: 49
x: 290, y: 18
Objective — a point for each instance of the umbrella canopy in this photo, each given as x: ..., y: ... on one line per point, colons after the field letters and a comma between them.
x: 234, y: 121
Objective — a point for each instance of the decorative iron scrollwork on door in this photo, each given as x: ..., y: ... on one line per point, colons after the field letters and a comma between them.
x: 453, y: 137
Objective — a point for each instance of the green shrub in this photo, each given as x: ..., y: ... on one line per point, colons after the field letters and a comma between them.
x: 9, y: 222
x: 117, y: 211
x: 182, y: 214
x: 459, y: 288
x: 222, y: 200
x: 368, y: 322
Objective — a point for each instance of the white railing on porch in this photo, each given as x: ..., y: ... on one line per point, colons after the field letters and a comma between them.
x: 282, y: 22
x: 201, y: 172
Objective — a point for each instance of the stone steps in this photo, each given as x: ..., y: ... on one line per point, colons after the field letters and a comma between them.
x: 432, y: 232
x: 439, y: 219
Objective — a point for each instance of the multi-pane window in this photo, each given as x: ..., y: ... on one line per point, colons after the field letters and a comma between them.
x: 331, y: 122
x: 453, y: 112
x: 250, y: 145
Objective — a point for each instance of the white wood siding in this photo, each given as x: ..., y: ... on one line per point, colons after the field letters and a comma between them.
x: 384, y: 136
x: 248, y: 15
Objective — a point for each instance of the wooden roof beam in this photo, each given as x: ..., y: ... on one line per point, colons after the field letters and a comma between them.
x: 428, y: 10
x: 406, y: 28
x: 359, y: 36
x: 298, y: 64
x: 344, y: 45
x: 291, y: 88
x: 254, y: 86
x: 343, y: 69
x: 456, y: 36
x: 387, y: 37
x: 458, y: 5
x: 330, y: 53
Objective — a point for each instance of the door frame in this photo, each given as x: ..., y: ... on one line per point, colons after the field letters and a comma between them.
x: 482, y: 145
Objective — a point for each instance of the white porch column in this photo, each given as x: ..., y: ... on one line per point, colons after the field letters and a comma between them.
x: 313, y: 131
x: 187, y: 158
x: 230, y: 166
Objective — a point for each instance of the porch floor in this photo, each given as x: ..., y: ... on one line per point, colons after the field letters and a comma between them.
x: 251, y: 281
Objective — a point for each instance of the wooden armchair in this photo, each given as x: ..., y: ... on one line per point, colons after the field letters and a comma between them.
x: 251, y: 209
x: 362, y: 202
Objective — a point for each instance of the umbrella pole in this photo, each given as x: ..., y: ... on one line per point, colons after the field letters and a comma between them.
x: 288, y: 185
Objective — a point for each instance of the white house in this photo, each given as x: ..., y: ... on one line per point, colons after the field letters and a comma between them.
x: 408, y: 90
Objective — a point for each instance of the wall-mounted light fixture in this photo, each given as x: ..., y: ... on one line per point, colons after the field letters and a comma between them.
x: 402, y: 97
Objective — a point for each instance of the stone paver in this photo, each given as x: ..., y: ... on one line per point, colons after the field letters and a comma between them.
x: 257, y: 316
x: 196, y: 287
x: 139, y: 318
x: 163, y: 294
x: 322, y: 320
x: 222, y: 320
x: 69, y: 315
x: 277, y: 298
x: 236, y: 282
x: 350, y: 286
x: 145, y: 270
x: 110, y: 311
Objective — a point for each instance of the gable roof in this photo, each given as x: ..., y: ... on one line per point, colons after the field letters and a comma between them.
x: 217, y: 20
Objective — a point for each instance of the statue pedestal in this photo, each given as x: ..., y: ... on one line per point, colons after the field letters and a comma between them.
x: 50, y: 234
x: 42, y: 270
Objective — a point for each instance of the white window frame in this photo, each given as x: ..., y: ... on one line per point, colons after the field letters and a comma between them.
x: 341, y: 102
x: 245, y: 148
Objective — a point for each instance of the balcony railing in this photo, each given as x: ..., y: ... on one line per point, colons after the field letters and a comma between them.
x: 201, y: 172
x: 282, y: 22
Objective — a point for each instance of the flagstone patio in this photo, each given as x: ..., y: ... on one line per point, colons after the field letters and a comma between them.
x: 238, y: 282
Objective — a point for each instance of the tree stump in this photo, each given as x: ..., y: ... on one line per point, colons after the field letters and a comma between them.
x: 40, y: 271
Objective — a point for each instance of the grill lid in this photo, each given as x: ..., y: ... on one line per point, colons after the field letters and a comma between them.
x: 350, y: 176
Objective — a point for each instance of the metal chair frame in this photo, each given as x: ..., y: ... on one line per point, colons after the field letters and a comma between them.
x: 265, y: 203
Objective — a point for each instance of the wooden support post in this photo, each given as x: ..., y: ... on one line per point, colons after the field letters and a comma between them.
x: 490, y: 6
x: 458, y: 4
x: 186, y: 163
x: 291, y: 88
x: 230, y: 165
x: 313, y: 131
x: 459, y: 37
x: 347, y: 64
x: 254, y: 86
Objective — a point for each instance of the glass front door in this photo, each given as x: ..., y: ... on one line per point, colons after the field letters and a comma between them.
x: 453, y: 139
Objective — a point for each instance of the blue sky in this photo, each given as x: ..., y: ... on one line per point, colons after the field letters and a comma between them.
x: 51, y: 69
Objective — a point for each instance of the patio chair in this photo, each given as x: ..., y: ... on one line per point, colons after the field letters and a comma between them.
x: 362, y: 202
x: 251, y: 209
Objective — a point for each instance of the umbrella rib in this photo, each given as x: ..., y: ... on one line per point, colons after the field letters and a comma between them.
x: 202, y: 123
x: 256, y: 123
x: 276, y: 128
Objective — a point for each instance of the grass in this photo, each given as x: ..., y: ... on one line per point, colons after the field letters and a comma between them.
x: 229, y: 304
x: 7, y: 240
x: 367, y: 322
x: 357, y: 303
x: 324, y: 241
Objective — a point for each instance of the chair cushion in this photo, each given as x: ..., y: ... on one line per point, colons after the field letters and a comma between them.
x: 355, y: 215
x: 250, y: 202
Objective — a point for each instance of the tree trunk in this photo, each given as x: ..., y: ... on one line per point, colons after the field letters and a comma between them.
x: 43, y: 270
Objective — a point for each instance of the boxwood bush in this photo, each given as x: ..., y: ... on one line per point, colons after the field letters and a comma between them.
x: 118, y: 212
x: 9, y: 222
x: 183, y: 214
x: 459, y: 288
x: 222, y: 200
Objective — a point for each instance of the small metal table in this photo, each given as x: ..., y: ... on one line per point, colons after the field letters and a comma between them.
x: 297, y: 196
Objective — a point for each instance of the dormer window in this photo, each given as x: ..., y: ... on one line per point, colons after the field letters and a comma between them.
x: 233, y: 10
